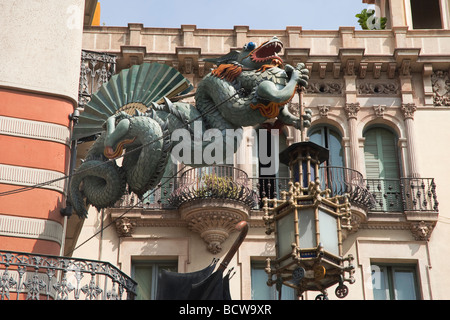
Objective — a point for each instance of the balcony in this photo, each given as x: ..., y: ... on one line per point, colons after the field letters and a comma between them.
x: 212, y: 200
x: 403, y: 195
x: 43, y: 277
x: 338, y: 180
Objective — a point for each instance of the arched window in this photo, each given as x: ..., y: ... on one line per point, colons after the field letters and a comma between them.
x: 329, y: 138
x: 382, y: 168
x: 270, y: 181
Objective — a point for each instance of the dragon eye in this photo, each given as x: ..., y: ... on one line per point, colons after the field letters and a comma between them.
x: 250, y: 46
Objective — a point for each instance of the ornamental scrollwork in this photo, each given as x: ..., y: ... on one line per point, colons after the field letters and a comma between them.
x: 378, y: 88
x: 322, y: 87
x: 441, y: 88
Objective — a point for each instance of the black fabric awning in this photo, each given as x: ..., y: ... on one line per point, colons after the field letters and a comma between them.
x: 203, y: 284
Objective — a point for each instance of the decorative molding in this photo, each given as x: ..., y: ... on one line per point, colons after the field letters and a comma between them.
x: 34, y: 130
x: 324, y: 87
x: 351, y: 110
x: 408, y: 110
x: 378, y: 87
x: 323, y: 110
x: 21, y: 227
x: 24, y: 176
x: 379, y: 110
x: 440, y: 82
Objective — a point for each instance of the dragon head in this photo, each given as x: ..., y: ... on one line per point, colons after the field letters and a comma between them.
x: 253, y: 57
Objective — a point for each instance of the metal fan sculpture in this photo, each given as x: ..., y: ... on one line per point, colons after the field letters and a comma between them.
x: 132, y: 89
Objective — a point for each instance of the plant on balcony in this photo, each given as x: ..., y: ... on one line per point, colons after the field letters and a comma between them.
x: 368, y: 21
x: 214, y: 186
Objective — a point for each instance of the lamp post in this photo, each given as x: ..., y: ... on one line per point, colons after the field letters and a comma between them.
x: 308, y: 225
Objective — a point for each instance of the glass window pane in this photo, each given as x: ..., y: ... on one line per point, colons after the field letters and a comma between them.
x: 328, y: 232
x: 285, y: 234
x: 327, y: 137
x: 396, y: 281
x: 146, y: 273
x: 404, y: 284
x: 143, y: 276
x: 335, y: 147
x: 260, y: 289
x: 307, y: 228
x: 380, y: 283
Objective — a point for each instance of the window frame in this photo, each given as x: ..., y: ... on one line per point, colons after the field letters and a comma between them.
x: 155, y: 265
x: 260, y: 265
x: 390, y: 270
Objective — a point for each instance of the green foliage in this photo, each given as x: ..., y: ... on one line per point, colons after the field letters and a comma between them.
x: 367, y: 22
x: 217, y: 187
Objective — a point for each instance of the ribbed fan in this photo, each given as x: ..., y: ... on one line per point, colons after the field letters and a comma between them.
x: 133, y: 88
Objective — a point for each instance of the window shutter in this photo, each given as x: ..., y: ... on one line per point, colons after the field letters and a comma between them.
x: 380, y: 155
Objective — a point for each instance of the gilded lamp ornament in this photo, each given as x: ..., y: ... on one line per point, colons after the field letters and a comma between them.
x: 308, y: 225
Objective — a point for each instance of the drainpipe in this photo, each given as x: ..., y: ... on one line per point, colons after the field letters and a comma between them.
x: 66, y: 212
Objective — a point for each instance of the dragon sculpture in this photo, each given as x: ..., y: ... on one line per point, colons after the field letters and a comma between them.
x: 246, y: 88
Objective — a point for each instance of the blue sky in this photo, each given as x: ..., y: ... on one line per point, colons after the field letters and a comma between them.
x: 225, y: 14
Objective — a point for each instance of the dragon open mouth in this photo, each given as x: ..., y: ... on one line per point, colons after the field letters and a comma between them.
x: 268, y: 51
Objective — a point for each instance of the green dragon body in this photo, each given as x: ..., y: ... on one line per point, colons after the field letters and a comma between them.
x: 247, y: 88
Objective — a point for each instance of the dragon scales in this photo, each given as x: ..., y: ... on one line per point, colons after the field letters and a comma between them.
x: 247, y: 88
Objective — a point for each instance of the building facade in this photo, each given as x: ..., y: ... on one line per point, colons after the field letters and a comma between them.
x: 379, y: 101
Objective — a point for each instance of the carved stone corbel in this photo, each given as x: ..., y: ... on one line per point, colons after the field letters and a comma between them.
x: 422, y: 230
x: 377, y: 70
x: 406, y: 67
x: 336, y: 70
x: 391, y: 70
x: 322, y: 69
x: 188, y: 67
x: 363, y: 70
x: 350, y: 67
x: 125, y: 227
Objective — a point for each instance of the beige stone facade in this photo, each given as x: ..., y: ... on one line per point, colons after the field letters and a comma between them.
x: 395, y: 79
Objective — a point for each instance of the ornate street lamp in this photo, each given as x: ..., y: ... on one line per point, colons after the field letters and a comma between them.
x: 308, y: 226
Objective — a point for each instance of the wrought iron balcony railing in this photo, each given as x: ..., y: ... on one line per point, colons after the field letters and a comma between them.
x: 214, y: 182
x: 404, y: 194
x: 43, y: 277
x: 198, y: 183
x: 342, y: 181
x: 153, y: 199
x: 339, y: 180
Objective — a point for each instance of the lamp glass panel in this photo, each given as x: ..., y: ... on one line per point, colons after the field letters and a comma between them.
x: 307, y: 228
x: 285, y: 234
x: 328, y: 232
